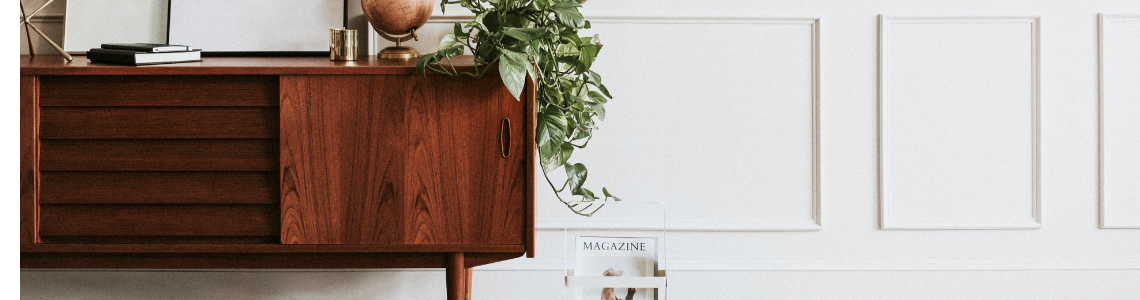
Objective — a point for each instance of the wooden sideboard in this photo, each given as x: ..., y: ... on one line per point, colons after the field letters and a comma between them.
x: 272, y: 163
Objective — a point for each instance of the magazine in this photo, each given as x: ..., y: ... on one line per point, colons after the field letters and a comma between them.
x: 616, y: 256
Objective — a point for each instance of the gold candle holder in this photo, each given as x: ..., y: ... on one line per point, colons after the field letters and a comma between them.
x: 342, y: 44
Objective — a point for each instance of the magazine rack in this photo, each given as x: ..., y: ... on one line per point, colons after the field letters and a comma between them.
x: 617, y: 219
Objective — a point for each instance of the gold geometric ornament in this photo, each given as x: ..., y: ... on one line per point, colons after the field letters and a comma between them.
x: 28, y: 27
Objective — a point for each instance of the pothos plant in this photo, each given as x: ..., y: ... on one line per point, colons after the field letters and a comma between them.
x: 538, y: 38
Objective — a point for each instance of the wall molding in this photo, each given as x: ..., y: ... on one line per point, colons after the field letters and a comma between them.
x: 1105, y: 221
x: 815, y: 223
x: 885, y: 221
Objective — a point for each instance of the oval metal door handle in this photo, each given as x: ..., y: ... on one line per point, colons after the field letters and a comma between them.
x: 505, y: 137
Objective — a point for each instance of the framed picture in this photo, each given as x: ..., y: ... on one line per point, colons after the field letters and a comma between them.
x: 91, y: 23
x: 255, y: 27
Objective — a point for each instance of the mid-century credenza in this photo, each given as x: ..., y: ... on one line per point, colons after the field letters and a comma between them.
x: 282, y: 163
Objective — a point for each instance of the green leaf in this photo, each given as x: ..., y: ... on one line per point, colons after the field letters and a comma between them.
x: 571, y: 37
x: 447, y: 41
x: 534, y: 48
x: 452, y: 51
x: 458, y: 32
x: 550, y: 131
x: 600, y: 109
x: 597, y: 97
x: 525, y: 34
x: 576, y: 176
x: 586, y: 58
x: 607, y: 193
x: 479, y: 19
x: 567, y: 50
x: 595, y: 78
x: 568, y: 15
x: 559, y: 158
x: 581, y: 133
x: 513, y: 68
x: 424, y: 61
x: 602, y: 87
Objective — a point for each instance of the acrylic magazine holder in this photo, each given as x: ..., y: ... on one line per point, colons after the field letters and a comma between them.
x: 623, y: 221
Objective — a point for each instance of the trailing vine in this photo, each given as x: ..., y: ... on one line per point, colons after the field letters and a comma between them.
x: 538, y: 38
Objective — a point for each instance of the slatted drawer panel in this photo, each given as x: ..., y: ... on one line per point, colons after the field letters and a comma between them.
x: 158, y: 122
x: 159, y: 155
x: 63, y: 221
x: 158, y: 91
x: 160, y: 187
x: 159, y: 159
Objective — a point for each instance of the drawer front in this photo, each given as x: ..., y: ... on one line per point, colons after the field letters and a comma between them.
x: 158, y: 159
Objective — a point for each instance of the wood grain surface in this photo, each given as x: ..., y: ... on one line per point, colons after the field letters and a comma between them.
x: 159, y: 91
x: 530, y: 113
x: 160, y: 188
x: 367, y: 65
x: 273, y: 248
x: 92, y: 243
x: 248, y: 260
x: 159, y: 220
x: 456, y: 277
x: 29, y: 159
x: 159, y: 155
x: 341, y: 161
x: 431, y: 170
x: 158, y: 122
x: 460, y: 186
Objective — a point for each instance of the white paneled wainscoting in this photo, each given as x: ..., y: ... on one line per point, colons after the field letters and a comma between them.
x: 881, y: 149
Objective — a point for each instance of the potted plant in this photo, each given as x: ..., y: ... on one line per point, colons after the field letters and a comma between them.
x: 538, y: 38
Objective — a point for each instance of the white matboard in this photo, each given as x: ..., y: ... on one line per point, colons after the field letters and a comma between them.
x: 255, y: 25
x: 91, y: 23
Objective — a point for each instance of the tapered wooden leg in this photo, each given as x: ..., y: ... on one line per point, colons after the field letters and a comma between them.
x: 470, y: 271
x: 456, y: 277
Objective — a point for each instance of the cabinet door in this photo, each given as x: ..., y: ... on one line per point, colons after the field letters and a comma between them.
x: 397, y: 159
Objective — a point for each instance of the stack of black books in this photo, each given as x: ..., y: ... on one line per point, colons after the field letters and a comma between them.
x: 143, y: 54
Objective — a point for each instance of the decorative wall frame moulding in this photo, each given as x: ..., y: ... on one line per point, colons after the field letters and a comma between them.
x: 1122, y: 117
x: 946, y: 189
x: 677, y: 222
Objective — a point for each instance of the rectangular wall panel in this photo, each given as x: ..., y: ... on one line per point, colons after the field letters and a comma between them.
x: 958, y: 123
x: 1119, y: 121
x: 733, y: 141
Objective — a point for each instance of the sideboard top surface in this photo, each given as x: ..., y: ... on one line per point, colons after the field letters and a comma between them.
x: 369, y: 65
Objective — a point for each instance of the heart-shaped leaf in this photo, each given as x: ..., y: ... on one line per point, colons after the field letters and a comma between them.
x: 513, y: 68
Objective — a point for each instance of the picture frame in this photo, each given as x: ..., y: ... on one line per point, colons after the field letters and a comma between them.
x: 91, y: 23
x: 254, y: 27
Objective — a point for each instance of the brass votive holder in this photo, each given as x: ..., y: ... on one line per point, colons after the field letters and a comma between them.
x: 342, y: 44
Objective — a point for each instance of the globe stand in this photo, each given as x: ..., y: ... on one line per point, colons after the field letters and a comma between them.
x: 399, y: 51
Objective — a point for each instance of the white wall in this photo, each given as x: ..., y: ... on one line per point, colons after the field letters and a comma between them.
x: 713, y: 118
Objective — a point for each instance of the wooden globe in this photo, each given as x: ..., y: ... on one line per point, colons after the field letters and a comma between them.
x: 397, y: 17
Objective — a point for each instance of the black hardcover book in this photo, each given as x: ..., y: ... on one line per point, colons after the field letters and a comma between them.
x: 136, y: 58
x: 145, y: 47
